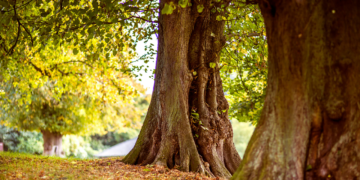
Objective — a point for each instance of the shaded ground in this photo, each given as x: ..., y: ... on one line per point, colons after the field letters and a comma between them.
x: 24, y: 166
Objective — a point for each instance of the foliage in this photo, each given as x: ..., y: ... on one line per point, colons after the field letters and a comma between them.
x: 9, y: 137
x: 73, y: 113
x: 24, y: 166
x: 77, y: 146
x: 31, y: 24
x: 97, y: 99
x: 30, y: 142
x: 57, y: 54
x: 244, y: 61
x: 113, y: 26
x: 74, y: 145
x: 101, y: 142
x: 21, y: 141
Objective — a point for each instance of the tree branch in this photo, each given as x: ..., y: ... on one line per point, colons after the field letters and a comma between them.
x: 18, y: 7
x: 43, y: 72
x: 82, y: 25
x: 143, y: 19
x: 31, y: 38
x: 75, y: 62
x: 18, y: 33
x: 244, y: 34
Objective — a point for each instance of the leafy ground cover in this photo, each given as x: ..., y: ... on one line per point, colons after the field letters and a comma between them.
x: 25, y: 166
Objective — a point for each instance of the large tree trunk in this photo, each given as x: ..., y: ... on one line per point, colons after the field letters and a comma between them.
x: 187, y: 123
x: 52, y: 143
x: 310, y: 124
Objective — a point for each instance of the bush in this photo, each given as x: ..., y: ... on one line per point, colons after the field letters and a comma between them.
x: 21, y: 141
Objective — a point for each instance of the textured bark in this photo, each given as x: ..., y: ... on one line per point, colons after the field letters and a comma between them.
x: 310, y: 126
x: 52, y: 143
x: 172, y: 134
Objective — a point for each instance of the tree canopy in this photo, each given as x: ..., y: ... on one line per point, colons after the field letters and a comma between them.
x: 55, y: 55
x: 244, y: 61
x: 90, y: 29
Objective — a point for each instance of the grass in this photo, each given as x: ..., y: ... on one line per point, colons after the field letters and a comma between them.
x: 27, y: 166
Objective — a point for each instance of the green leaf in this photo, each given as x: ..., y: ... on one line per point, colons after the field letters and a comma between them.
x: 219, y: 18
x: 75, y: 51
x: 183, y: 3
x: 195, y: 115
x: 194, y: 73
x: 146, y: 169
x: 200, y: 8
x: 168, y: 8
x: 4, y: 4
x: 212, y: 65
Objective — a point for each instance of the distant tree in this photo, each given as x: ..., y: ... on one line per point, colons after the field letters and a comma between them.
x: 89, y: 101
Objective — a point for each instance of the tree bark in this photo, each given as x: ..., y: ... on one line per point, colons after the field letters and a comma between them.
x: 310, y: 126
x: 52, y: 143
x: 187, y: 124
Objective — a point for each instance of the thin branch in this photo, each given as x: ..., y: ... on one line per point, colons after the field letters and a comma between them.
x: 83, y: 25
x: 239, y: 74
x: 245, y: 34
x: 65, y: 73
x: 61, y: 5
x: 144, y: 19
x: 43, y: 72
x: 115, y: 85
x: 75, y: 62
x: 18, y: 34
x: 19, y: 6
x: 32, y: 41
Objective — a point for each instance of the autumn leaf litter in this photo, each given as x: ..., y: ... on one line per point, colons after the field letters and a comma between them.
x: 20, y: 166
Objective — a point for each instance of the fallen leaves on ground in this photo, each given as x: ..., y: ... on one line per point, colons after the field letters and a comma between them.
x: 20, y: 166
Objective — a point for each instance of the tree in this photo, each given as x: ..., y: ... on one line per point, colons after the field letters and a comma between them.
x: 187, y: 122
x: 89, y: 101
x: 74, y: 113
x: 309, y: 127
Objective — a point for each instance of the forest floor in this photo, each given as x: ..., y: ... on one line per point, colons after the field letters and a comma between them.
x: 25, y: 166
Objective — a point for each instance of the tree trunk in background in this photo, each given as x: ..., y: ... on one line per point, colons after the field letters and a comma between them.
x: 187, y: 124
x: 52, y: 143
x: 310, y: 124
